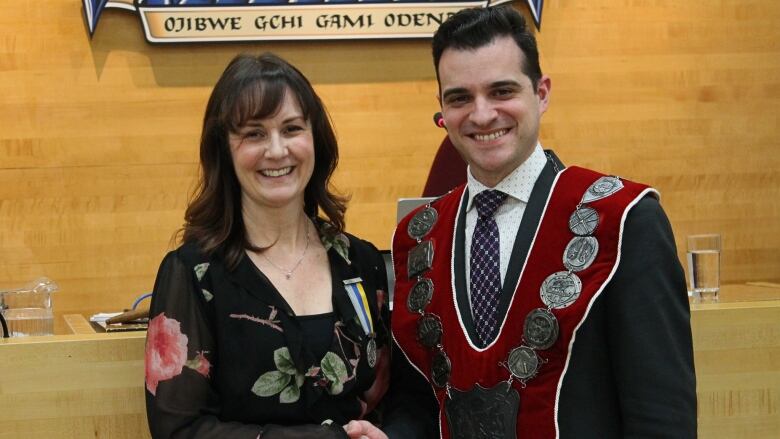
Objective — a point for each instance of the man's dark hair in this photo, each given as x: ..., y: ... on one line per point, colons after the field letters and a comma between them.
x: 254, y: 87
x: 473, y: 28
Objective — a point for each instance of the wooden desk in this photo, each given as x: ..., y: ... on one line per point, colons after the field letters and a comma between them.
x: 91, y: 385
x: 73, y: 386
x: 737, y: 353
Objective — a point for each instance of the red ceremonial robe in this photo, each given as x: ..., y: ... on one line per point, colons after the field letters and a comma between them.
x: 473, y: 365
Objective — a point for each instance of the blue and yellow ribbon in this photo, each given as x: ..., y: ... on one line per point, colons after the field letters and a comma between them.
x: 357, y: 295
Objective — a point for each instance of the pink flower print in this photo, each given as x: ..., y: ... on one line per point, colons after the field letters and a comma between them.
x: 166, y: 351
x: 200, y: 364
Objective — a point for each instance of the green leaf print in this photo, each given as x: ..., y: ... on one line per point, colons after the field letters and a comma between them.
x: 200, y: 270
x: 333, y: 368
x: 283, y: 361
x: 299, y: 379
x: 271, y: 383
x: 290, y: 394
x: 336, y: 387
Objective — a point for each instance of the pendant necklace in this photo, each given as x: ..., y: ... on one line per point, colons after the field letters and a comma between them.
x: 288, y: 273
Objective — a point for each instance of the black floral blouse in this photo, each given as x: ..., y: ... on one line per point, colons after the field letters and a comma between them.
x: 226, y: 357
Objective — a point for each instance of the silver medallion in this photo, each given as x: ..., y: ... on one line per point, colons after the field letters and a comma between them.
x: 420, y: 295
x: 540, y: 330
x: 420, y: 259
x: 429, y: 330
x: 560, y: 289
x: 580, y: 253
x: 584, y: 221
x: 602, y: 188
x: 440, y: 369
x: 422, y: 222
x: 523, y: 363
x: 371, y: 352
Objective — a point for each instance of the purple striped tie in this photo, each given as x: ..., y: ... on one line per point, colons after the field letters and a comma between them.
x: 485, y: 274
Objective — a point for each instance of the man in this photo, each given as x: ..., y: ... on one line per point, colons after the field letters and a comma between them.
x: 537, y: 301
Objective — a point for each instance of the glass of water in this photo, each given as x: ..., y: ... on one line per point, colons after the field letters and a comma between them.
x: 704, y: 267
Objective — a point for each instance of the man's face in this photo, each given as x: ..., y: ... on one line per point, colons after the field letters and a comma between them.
x: 490, y: 107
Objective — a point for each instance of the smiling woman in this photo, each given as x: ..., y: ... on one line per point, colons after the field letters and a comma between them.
x: 255, y: 327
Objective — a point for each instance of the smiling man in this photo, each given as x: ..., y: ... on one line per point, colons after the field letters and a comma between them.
x: 537, y: 300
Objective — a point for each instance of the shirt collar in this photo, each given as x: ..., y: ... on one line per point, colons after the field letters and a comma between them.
x: 518, y: 184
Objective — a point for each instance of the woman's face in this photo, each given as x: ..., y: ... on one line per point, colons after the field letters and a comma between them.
x: 274, y: 157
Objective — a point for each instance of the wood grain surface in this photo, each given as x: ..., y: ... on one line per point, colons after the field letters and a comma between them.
x: 98, y: 138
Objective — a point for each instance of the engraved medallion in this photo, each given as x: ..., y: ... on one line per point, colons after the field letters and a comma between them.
x: 371, y: 352
x: 602, y: 188
x: 420, y: 295
x: 422, y: 222
x: 523, y: 363
x: 429, y: 330
x: 440, y: 369
x: 580, y: 253
x: 540, y: 329
x: 420, y: 259
x: 483, y: 413
x: 560, y: 289
x: 584, y: 221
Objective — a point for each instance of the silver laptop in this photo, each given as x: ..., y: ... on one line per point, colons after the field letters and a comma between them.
x: 406, y: 205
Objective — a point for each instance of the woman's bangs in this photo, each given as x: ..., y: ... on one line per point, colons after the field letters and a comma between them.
x: 258, y: 100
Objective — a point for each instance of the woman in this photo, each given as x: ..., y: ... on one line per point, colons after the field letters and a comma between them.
x: 268, y: 321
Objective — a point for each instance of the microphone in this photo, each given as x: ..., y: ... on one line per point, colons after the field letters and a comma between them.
x: 438, y: 120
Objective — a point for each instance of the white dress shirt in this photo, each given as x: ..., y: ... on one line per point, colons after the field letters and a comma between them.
x: 518, y: 185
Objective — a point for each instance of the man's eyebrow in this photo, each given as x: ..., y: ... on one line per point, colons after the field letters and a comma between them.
x: 452, y: 91
x: 505, y: 83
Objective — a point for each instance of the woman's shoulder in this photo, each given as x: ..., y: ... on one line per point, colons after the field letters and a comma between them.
x: 188, y: 254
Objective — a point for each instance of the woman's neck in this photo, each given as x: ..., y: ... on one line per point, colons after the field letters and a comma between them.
x: 282, y: 227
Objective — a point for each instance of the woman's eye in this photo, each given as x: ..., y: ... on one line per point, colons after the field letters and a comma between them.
x: 294, y: 129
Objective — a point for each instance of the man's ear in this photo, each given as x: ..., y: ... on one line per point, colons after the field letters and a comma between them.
x: 543, y: 92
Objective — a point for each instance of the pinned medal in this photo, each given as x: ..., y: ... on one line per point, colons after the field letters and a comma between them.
x: 540, y: 329
x: 580, y: 253
x: 422, y: 222
x: 602, y: 188
x: 560, y: 289
x: 429, y: 330
x: 523, y: 363
x: 420, y: 259
x: 583, y: 221
x: 440, y: 369
x: 371, y: 352
x: 357, y: 296
x: 420, y: 295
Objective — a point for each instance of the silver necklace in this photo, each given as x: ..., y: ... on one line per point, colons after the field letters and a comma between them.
x: 288, y: 273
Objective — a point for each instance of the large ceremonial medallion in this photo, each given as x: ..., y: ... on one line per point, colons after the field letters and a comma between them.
x: 429, y: 330
x: 420, y: 259
x: 540, y: 329
x: 602, y: 188
x: 560, y: 289
x: 422, y: 222
x: 483, y: 413
x: 420, y: 295
x: 440, y: 369
x: 583, y: 221
x: 523, y: 363
x: 580, y: 253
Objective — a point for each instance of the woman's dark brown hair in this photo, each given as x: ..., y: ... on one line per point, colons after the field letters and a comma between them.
x: 253, y: 87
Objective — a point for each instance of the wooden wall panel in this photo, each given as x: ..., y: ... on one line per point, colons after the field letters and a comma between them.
x: 98, y: 138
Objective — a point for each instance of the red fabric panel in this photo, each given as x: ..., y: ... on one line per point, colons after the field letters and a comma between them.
x: 448, y: 170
